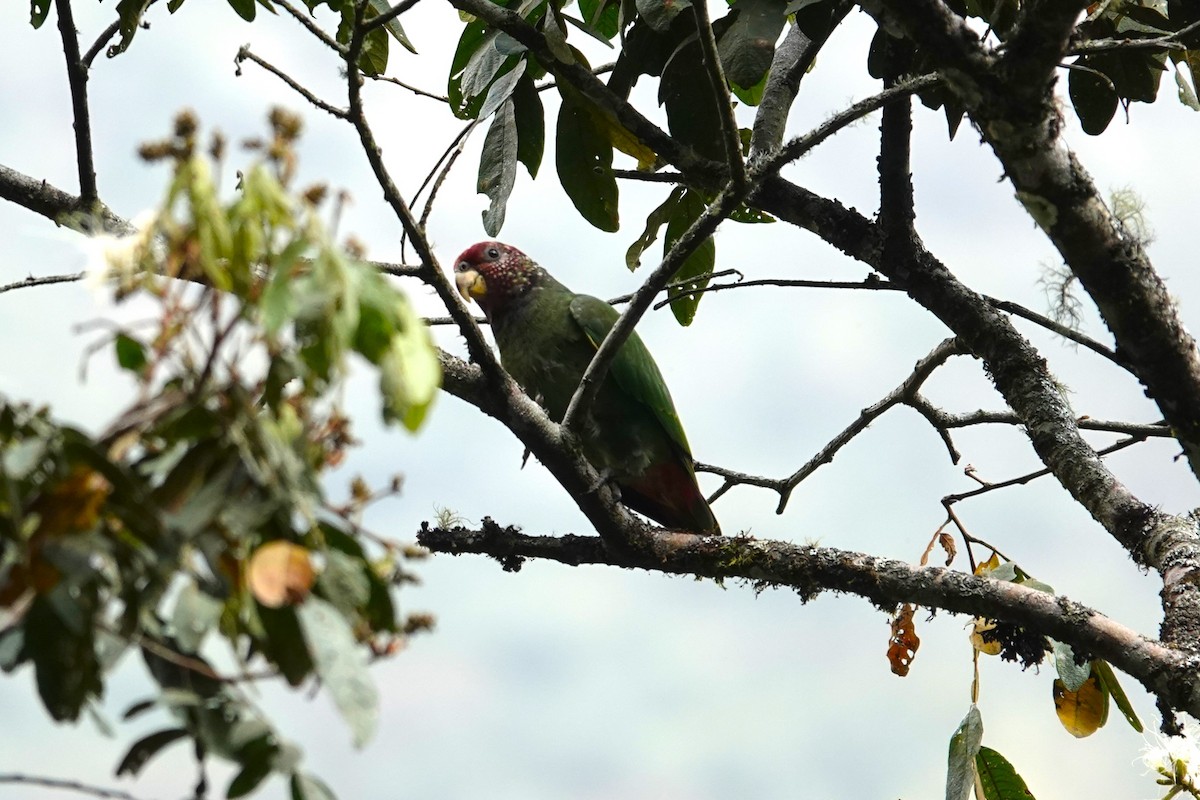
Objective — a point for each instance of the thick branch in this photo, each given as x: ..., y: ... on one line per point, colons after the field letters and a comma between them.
x: 885, y: 582
x: 56, y: 205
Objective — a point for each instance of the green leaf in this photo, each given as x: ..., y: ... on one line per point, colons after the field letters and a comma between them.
x: 12, y: 646
x: 498, y: 167
x: 246, y: 9
x: 474, y: 38
x: 146, y: 748
x: 63, y: 655
x: 256, y: 766
x: 600, y: 16
x: 747, y: 47
x: 196, y: 612
x: 698, y: 267
x: 1072, y: 674
x: 531, y: 124
x: 131, y: 355
x: 1185, y: 90
x: 308, y: 787
x: 1108, y: 679
x: 374, y: 56
x: 284, y: 644
x: 654, y: 221
x: 583, y: 156
x: 129, y: 16
x: 381, y: 7
x: 344, y: 582
x: 693, y: 116
x: 501, y: 89
x: 341, y: 662
x: 999, y: 778
x: 38, y: 11
x: 660, y: 13
x: 409, y: 373
x: 964, y: 745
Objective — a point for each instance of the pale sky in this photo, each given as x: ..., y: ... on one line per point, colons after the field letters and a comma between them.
x: 596, y: 682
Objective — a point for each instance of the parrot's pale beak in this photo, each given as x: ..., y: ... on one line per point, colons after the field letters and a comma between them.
x: 470, y: 285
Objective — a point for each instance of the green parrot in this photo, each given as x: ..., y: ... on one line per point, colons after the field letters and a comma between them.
x: 547, y: 336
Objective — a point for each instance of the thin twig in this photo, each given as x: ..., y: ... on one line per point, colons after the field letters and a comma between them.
x: 104, y: 38
x: 44, y: 280
x: 65, y: 785
x: 1060, y: 329
x: 870, y: 283
x: 649, y: 177
x: 456, y: 145
x: 313, y: 28
x: 1170, y: 41
x: 415, y: 90
x: 244, y: 53
x: 77, y: 77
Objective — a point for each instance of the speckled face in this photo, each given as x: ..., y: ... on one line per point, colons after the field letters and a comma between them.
x: 492, y: 273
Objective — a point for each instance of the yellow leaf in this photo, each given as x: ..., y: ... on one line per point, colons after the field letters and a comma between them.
x: 617, y: 134
x: 280, y: 574
x: 981, y: 627
x: 984, y: 567
x: 1084, y: 712
x: 72, y: 505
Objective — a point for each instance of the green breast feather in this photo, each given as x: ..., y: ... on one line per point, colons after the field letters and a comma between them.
x: 633, y: 369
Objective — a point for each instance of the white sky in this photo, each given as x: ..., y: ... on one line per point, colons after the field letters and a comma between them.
x: 596, y: 682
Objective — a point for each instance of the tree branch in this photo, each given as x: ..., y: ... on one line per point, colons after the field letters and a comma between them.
x: 69, y: 786
x: 713, y: 70
x: 77, y: 77
x: 811, y: 570
x: 244, y: 54
x: 56, y: 205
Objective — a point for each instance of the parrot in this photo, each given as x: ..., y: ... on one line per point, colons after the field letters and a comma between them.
x: 547, y: 336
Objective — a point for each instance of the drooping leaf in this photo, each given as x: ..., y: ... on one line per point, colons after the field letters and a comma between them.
x: 964, y: 746
x: 659, y: 13
x: 246, y: 9
x: 498, y: 167
x: 656, y: 219
x: 308, y: 787
x: 129, y: 16
x: 697, y: 268
x: 1072, y: 674
x: 1108, y: 679
x: 144, y: 749
x: 284, y: 643
x: 257, y: 760
x: 601, y: 16
x: 393, y: 27
x: 531, y: 124
x: 131, y: 355
x: 374, y: 56
x: 501, y: 90
x: 903, y: 643
x: 342, y: 664
x: 62, y: 652
x: 38, y: 11
x: 693, y: 116
x: 1083, y: 712
x: 583, y: 157
x: 196, y: 613
x: 748, y: 45
x: 999, y: 778
x: 344, y: 582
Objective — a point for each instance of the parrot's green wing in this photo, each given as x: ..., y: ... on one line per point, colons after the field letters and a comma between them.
x: 633, y: 369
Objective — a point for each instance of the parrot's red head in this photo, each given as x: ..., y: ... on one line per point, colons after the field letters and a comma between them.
x: 494, y: 273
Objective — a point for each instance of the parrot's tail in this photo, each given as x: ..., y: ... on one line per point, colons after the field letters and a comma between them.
x: 668, y: 494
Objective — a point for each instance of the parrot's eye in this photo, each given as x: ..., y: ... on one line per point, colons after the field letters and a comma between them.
x: 493, y: 253
x: 461, y: 266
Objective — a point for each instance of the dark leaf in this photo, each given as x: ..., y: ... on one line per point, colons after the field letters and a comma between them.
x: 531, y: 124
x: 474, y: 38
x: 284, y: 643
x: 63, y: 654
x: 308, y: 787
x: 38, y: 11
x: 146, y: 748
x: 659, y: 13
x: 748, y: 45
x: 1094, y: 99
x: 999, y: 778
x: 129, y: 15
x: 246, y: 9
x: 698, y: 266
x: 374, y: 56
x: 501, y: 89
x: 257, y: 758
x: 693, y: 116
x: 1109, y: 680
x: 498, y: 167
x: 583, y: 156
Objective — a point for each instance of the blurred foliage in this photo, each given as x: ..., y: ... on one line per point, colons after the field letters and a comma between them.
x: 201, y: 511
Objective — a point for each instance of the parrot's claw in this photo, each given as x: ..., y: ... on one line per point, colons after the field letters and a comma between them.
x: 607, y: 478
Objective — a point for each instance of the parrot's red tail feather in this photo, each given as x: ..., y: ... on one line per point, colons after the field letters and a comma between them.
x: 668, y: 494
